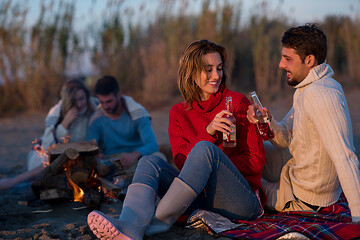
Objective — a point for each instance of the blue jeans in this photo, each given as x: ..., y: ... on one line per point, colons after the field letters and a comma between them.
x: 211, y: 174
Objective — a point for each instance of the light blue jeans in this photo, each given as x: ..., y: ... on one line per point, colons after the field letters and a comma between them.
x: 221, y: 188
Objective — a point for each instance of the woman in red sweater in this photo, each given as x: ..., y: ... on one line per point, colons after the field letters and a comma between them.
x: 211, y: 177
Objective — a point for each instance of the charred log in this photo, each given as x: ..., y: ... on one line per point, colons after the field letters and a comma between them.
x: 93, y: 199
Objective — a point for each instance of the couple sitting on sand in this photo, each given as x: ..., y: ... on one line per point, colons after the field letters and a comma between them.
x: 120, y: 126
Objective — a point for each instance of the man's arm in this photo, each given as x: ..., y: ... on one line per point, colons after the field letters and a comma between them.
x: 147, y: 136
x: 92, y: 133
x: 282, y: 130
x: 148, y: 139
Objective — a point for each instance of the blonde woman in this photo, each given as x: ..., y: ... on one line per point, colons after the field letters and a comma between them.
x: 66, y: 121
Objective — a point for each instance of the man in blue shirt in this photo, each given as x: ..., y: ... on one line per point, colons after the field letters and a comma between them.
x: 121, y: 127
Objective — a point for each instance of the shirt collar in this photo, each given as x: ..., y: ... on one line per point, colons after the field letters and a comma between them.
x: 318, y: 72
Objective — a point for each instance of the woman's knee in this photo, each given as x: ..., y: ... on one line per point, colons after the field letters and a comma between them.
x: 150, y: 160
x: 204, y: 147
x: 204, y: 152
x: 149, y: 164
x: 148, y: 169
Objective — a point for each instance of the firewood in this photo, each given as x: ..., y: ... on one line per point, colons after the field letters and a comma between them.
x: 58, y: 181
x: 55, y: 194
x: 77, y: 163
x: 82, y: 147
x: 101, y: 168
x: 53, y: 176
x: 80, y: 178
x: 92, y: 199
x: 57, y: 165
x: 109, y: 186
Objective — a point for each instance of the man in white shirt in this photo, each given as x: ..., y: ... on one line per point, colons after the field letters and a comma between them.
x: 317, y: 131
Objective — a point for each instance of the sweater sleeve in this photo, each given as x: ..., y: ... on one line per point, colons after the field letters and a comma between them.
x: 93, y: 132
x: 61, y: 133
x: 282, y: 130
x: 53, y: 115
x: 328, y: 111
x: 147, y: 136
x: 181, y: 145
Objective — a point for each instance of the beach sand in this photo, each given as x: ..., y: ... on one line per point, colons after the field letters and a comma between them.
x: 24, y: 217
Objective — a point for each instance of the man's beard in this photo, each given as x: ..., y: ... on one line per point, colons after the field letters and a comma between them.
x: 112, y: 111
x: 292, y: 82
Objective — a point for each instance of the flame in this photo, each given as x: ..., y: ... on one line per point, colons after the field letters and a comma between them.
x: 92, y: 181
x: 109, y: 193
x: 41, y: 151
x: 65, y: 139
x: 44, y: 156
x: 77, y: 191
x: 116, y: 181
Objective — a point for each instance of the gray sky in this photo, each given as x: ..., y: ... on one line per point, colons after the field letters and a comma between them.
x: 299, y: 11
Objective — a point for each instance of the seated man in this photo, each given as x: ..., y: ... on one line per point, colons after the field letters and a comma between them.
x: 121, y: 127
x: 317, y: 130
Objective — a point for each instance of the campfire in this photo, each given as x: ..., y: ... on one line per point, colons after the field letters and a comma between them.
x: 74, y: 174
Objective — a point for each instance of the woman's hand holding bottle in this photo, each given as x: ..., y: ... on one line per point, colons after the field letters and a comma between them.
x: 220, y: 123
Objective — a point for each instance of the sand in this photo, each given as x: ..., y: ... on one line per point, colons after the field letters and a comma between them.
x: 67, y: 220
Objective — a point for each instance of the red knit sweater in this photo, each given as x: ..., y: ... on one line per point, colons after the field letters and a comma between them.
x: 188, y: 127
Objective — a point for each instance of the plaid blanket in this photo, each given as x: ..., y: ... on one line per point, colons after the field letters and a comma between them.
x: 333, y: 222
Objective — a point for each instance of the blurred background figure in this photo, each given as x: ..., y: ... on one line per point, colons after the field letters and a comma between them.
x: 65, y: 122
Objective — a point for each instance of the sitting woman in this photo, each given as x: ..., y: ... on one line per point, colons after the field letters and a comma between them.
x: 225, y: 180
x: 66, y: 121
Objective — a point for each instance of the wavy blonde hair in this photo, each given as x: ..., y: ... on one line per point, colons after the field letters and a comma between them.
x: 68, y: 92
x: 191, y: 65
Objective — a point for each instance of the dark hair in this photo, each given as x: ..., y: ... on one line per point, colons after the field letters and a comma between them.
x: 192, y: 63
x: 306, y: 40
x: 107, y: 85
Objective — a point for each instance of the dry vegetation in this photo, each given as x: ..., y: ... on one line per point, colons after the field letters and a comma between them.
x: 36, y: 59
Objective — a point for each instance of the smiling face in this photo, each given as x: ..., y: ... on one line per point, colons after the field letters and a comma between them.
x: 296, y: 70
x: 210, y: 79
